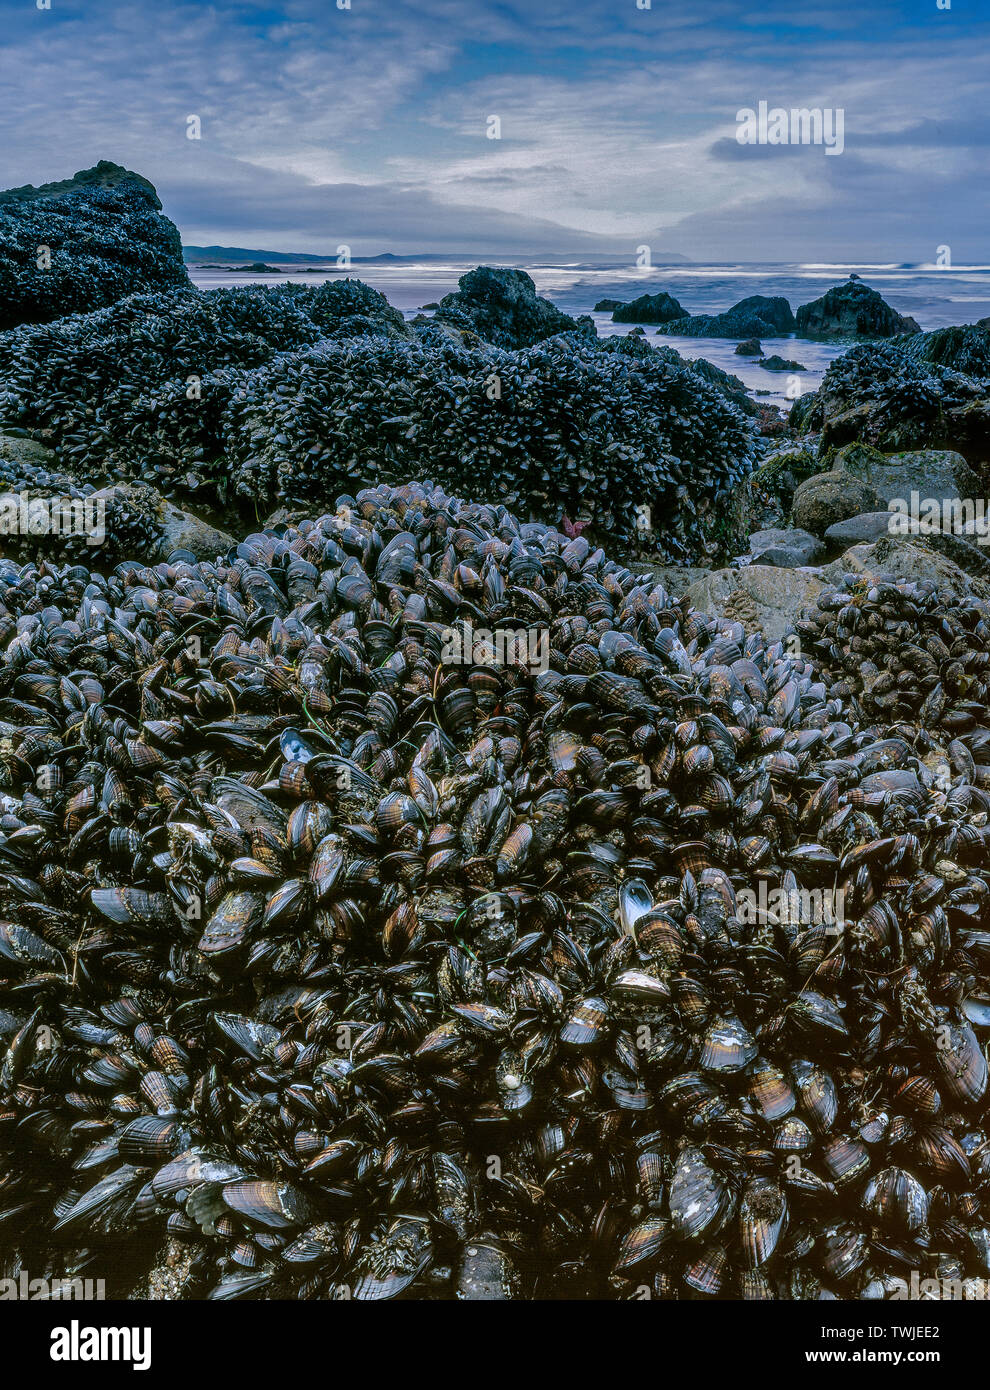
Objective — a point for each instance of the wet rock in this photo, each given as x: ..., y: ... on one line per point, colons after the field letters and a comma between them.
x: 828, y: 497
x: 913, y: 559
x: 867, y: 526
x: 605, y: 306
x: 177, y: 529
x: 785, y: 549
x: 939, y: 474
x: 750, y: 347
x: 764, y: 498
x: 762, y: 596
x: 776, y: 363
x: 852, y: 310
x: 758, y: 316
x: 648, y: 308
x: 503, y: 308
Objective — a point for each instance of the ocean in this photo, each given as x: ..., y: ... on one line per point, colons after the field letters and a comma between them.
x: 935, y: 297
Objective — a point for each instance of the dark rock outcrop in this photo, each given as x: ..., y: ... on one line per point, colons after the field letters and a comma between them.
x: 750, y: 347
x: 503, y: 308
x: 648, y: 308
x: 884, y: 395
x: 758, y: 316
x: 964, y: 348
x: 605, y: 306
x: 83, y: 243
x: 852, y: 310
x: 776, y: 363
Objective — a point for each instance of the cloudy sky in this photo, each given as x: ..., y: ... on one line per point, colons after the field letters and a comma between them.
x: 368, y: 125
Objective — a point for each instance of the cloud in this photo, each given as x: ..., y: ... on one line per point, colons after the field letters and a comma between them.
x: 368, y: 126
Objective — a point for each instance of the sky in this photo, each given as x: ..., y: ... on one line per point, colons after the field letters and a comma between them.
x: 368, y: 125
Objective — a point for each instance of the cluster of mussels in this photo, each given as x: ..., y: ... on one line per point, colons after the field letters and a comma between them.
x: 930, y: 391
x: 256, y: 398
x: 71, y: 253
x: 898, y: 652
x: 418, y: 903
x: 118, y: 525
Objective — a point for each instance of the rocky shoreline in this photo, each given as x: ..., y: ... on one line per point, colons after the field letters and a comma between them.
x: 307, y: 914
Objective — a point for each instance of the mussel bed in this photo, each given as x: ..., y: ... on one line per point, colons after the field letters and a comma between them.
x: 403, y: 906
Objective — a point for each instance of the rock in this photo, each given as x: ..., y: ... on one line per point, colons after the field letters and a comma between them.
x: 828, y: 497
x: 605, y: 306
x: 760, y: 596
x: 939, y: 474
x: 586, y: 326
x: 637, y: 332
x: 733, y: 388
x: 775, y: 363
x: 867, y: 526
x: 786, y: 549
x: 964, y: 348
x: 432, y: 305
x: 910, y: 559
x: 852, y: 310
x: 885, y: 395
x: 759, y: 316
x: 648, y: 308
x: 83, y: 243
x: 503, y: 308
x: 750, y: 347
x: 178, y: 530
x: 764, y: 498
x: 25, y: 451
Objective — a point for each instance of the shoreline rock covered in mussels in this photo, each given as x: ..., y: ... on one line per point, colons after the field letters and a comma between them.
x: 83, y: 243
x: 305, y: 922
x: 259, y: 397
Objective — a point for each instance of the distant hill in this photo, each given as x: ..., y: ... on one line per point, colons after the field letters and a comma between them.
x: 236, y: 255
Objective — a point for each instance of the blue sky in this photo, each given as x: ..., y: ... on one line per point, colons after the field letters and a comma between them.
x: 367, y: 126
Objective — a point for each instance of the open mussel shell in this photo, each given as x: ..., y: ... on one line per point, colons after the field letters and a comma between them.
x: 635, y: 899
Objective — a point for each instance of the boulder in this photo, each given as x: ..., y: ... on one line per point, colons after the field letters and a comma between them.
x: 758, y: 316
x: 648, y: 308
x: 911, y: 559
x: 83, y: 243
x: 786, y: 549
x: 939, y: 474
x: 503, y: 308
x: 882, y: 394
x: 171, y: 528
x: 750, y: 347
x: 828, y: 497
x: 867, y: 526
x: 759, y: 596
x: 776, y: 363
x: 605, y: 306
x: 853, y: 311
x: 764, y: 498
